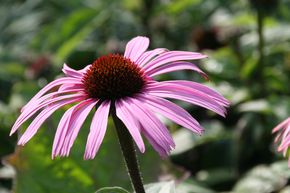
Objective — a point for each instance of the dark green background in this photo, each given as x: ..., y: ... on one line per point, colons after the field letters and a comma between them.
x: 248, y: 44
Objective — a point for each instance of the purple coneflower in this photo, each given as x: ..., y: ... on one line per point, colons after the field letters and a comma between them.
x: 125, y: 84
x: 122, y: 86
x: 283, y: 137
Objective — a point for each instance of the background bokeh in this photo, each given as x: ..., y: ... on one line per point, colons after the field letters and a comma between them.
x: 248, y: 44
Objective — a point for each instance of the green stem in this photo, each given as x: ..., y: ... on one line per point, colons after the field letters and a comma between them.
x: 129, y: 153
x: 260, y: 18
x: 259, y: 69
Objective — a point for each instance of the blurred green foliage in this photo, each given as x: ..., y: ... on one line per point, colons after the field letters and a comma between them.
x: 248, y: 44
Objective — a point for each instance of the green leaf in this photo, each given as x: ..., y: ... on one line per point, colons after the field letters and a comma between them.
x: 160, y: 187
x: 281, y: 167
x: 261, y: 179
x: 92, y: 23
x: 255, y: 106
x: 249, y: 67
x: 176, y: 7
x: 12, y: 70
x: 192, y: 187
x: 186, y: 140
x: 216, y: 176
x: 285, y: 190
x: 112, y: 190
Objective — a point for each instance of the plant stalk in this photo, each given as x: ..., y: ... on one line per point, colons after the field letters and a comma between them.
x: 258, y: 74
x: 260, y: 21
x: 129, y: 153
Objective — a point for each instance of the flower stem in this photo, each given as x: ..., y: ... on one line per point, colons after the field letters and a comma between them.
x: 129, y: 153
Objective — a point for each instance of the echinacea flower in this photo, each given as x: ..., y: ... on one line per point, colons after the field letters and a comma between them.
x: 283, y: 137
x: 125, y: 83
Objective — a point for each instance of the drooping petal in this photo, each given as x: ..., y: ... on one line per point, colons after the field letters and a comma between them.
x: 32, y: 109
x: 175, y: 66
x: 284, y: 144
x: 286, y: 133
x: 57, y: 82
x: 136, y: 47
x: 172, y: 56
x: 163, y: 152
x: 283, y: 137
x: 129, y: 121
x: 180, y: 92
x: 202, y: 88
x: 278, y: 137
x: 60, y: 132
x: 97, y: 130
x: 76, y: 120
x: 149, y: 55
x: 53, y: 95
x: 151, y: 124
x: 172, y: 111
x: 38, y: 121
x: 65, y: 87
x: 281, y: 125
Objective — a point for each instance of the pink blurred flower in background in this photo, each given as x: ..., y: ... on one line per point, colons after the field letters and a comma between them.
x: 283, y: 137
x: 126, y: 84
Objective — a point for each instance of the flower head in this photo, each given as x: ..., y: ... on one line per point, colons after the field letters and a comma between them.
x: 125, y: 83
x: 283, y: 137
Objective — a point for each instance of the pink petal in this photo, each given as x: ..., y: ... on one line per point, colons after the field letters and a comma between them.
x: 172, y: 111
x: 129, y: 121
x: 286, y: 131
x: 57, y: 82
x: 172, y: 56
x: 71, y: 72
x: 278, y: 137
x: 149, y: 55
x: 151, y: 124
x: 136, y: 47
x: 97, y: 130
x: 155, y: 144
x: 74, y: 73
x: 66, y: 87
x: 285, y: 138
x: 281, y: 125
x: 38, y: 121
x: 61, y: 131
x: 77, y: 118
x: 32, y: 109
x: 84, y: 70
x: 175, y: 66
x: 53, y: 95
x: 202, y: 88
x: 180, y: 92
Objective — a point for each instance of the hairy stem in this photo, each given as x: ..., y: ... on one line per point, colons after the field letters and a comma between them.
x: 129, y: 153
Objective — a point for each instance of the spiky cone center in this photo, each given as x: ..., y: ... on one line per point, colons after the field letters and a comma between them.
x: 113, y: 77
